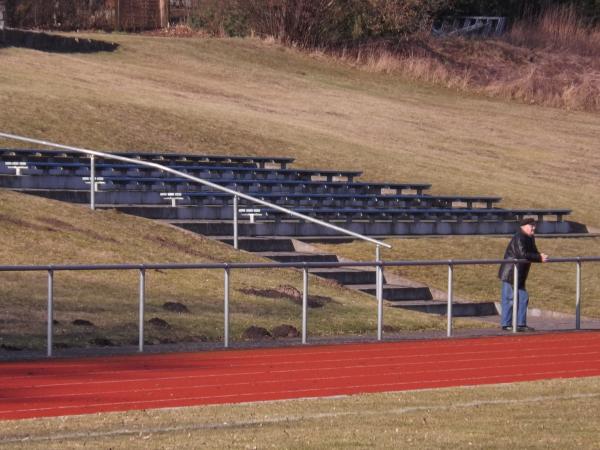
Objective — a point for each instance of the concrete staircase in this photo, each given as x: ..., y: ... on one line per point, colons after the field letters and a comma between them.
x: 397, y: 292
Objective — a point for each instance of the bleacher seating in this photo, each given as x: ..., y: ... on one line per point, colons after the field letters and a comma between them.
x: 374, y: 209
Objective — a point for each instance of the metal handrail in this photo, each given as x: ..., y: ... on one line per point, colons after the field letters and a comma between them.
x: 305, y: 266
x: 285, y: 265
x: 234, y: 193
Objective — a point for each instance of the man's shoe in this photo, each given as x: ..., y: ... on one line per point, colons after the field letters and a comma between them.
x: 507, y: 328
x: 525, y: 328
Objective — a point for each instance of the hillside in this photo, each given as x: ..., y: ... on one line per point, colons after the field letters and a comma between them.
x: 39, y: 231
x: 256, y: 97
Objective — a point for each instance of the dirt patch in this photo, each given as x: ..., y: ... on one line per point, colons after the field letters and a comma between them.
x: 61, y: 345
x: 176, y: 307
x: 285, y: 331
x: 289, y: 293
x: 159, y: 323
x: 82, y: 323
x: 102, y: 342
x: 256, y: 333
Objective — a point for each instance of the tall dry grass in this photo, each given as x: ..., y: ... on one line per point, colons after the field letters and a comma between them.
x: 551, y: 61
x: 559, y: 27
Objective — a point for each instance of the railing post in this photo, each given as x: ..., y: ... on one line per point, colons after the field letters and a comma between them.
x: 450, y: 297
x: 379, y: 293
x: 92, y: 182
x: 235, y: 222
x: 578, y: 298
x: 141, y: 309
x: 515, y: 296
x: 304, y: 304
x: 226, y: 310
x: 50, y: 313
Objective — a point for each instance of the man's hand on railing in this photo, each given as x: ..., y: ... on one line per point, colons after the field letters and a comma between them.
x: 544, y: 257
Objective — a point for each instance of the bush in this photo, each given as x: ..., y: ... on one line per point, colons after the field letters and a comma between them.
x: 317, y: 23
x: 60, y: 14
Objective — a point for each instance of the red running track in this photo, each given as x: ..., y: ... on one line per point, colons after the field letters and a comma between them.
x: 89, y: 385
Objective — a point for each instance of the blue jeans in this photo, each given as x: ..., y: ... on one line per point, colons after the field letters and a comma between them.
x: 507, y: 306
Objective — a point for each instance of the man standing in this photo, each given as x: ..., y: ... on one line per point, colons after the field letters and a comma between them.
x: 521, y: 246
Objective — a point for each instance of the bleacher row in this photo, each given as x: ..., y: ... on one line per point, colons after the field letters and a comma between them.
x: 374, y: 209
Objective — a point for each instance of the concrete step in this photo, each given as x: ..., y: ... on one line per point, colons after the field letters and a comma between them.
x: 262, y: 245
x: 217, y: 229
x: 71, y: 196
x: 396, y: 292
x: 346, y: 277
x: 441, y: 307
x: 299, y: 257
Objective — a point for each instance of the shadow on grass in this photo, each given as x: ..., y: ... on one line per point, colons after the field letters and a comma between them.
x: 53, y: 43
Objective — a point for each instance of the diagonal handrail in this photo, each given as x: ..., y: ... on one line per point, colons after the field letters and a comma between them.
x: 197, y: 180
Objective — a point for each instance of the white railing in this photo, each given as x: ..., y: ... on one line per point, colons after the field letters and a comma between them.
x: 229, y: 267
x: 236, y: 195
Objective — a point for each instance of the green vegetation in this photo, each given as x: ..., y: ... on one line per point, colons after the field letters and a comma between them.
x: 544, y: 414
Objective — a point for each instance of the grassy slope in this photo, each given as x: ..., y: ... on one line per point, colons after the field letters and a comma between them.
x: 38, y: 231
x: 253, y: 97
x: 247, y: 96
x: 250, y: 97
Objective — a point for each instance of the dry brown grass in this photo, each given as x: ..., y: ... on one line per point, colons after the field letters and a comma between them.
x: 551, y: 286
x: 552, y: 60
x: 255, y: 97
x: 545, y: 76
x: 545, y: 414
x: 37, y: 231
x: 558, y: 27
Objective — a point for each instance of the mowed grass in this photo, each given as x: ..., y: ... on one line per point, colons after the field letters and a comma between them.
x: 254, y: 97
x: 37, y: 231
x: 247, y: 96
x: 546, y: 414
x: 234, y: 96
x: 551, y: 286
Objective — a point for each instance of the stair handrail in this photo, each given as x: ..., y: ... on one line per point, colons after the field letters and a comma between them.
x: 234, y: 193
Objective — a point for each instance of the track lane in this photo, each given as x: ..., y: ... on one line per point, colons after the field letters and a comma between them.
x: 62, y: 387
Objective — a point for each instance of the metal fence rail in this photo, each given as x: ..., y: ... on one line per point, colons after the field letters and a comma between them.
x: 304, y: 266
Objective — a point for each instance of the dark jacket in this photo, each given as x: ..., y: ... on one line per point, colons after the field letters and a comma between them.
x: 520, y: 246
